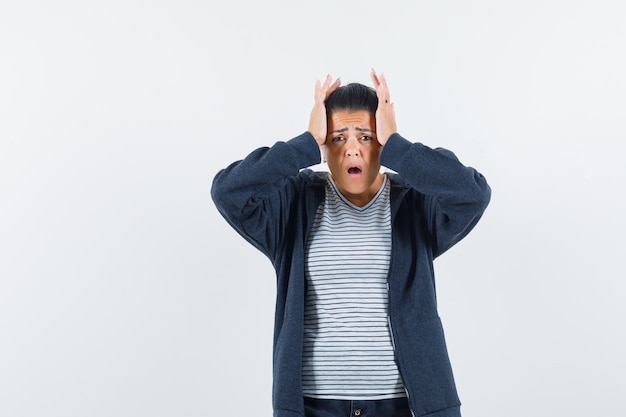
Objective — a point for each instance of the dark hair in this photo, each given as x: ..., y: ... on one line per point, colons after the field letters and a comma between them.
x: 352, y: 97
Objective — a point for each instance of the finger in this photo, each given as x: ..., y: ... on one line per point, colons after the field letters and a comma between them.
x: 318, y: 95
x: 380, y: 82
x: 326, y: 82
x: 383, y: 82
x: 333, y: 87
x: 383, y: 89
x: 375, y: 79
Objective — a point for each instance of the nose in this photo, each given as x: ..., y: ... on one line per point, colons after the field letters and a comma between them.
x: 352, y: 147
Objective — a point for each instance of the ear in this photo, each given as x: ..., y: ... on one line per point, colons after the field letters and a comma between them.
x: 324, y: 151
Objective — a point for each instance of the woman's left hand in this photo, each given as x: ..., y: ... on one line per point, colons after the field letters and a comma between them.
x: 385, y: 114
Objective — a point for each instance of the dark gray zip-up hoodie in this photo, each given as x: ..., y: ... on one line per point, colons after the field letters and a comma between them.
x: 271, y: 200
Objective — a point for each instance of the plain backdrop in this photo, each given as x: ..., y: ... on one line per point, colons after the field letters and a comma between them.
x: 124, y: 293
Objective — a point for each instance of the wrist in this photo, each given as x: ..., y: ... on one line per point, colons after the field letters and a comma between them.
x: 319, y: 139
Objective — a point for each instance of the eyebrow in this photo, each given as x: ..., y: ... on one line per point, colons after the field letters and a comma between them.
x: 359, y: 129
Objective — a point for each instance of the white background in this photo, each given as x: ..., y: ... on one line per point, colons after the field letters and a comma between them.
x: 124, y: 293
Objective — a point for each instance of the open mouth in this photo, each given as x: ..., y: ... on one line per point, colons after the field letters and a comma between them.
x: 354, y: 170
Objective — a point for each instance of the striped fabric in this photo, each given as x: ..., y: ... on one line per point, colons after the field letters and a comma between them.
x: 348, y: 353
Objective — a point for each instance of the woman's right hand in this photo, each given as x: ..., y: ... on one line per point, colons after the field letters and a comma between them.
x: 317, y: 122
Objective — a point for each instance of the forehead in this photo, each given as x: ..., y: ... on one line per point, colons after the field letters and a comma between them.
x: 350, y: 119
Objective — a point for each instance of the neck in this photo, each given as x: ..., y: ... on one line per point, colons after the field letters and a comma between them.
x: 363, y: 199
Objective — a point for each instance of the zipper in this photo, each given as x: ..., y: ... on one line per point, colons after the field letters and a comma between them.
x: 393, y: 345
x: 394, y: 211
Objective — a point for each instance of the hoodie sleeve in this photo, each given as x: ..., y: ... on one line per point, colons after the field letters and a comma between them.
x: 254, y: 194
x: 456, y: 196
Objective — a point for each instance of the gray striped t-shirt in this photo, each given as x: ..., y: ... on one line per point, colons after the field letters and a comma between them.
x: 348, y: 353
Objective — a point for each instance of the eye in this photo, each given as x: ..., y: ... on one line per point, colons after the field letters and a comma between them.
x: 338, y: 139
x: 366, y: 138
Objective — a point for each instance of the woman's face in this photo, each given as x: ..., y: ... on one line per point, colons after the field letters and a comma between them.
x: 353, y: 155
